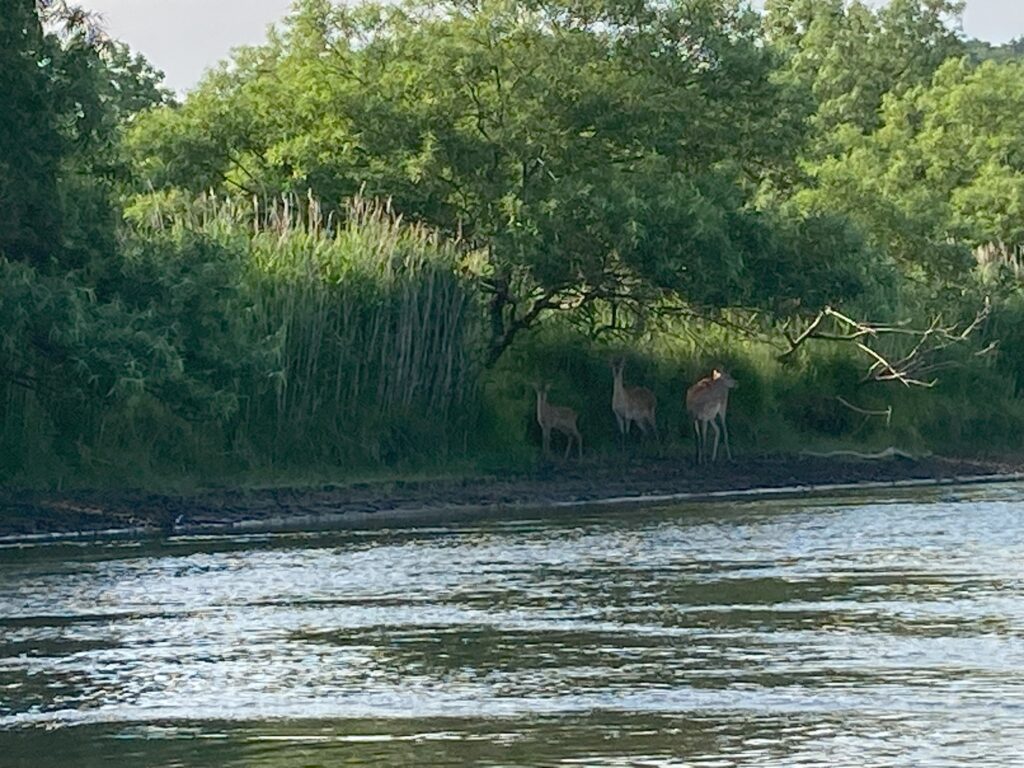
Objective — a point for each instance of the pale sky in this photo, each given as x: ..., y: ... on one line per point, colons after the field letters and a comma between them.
x: 185, y: 37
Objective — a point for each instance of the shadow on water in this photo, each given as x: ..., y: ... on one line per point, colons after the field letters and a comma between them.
x: 847, y: 631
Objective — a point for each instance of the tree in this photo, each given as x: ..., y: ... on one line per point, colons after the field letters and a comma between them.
x: 29, y: 215
x: 982, y: 50
x: 589, y: 151
x: 942, y: 176
x: 67, y: 95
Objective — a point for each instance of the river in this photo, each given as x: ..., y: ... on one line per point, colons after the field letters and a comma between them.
x: 871, y: 629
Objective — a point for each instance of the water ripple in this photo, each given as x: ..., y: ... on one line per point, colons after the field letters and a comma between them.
x: 765, y: 633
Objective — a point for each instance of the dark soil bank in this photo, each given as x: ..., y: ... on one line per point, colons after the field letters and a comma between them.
x: 85, y: 512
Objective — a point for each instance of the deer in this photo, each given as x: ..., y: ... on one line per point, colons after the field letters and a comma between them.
x: 706, y: 402
x: 632, y: 404
x: 559, y: 418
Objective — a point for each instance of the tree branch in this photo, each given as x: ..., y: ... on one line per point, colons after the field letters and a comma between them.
x: 914, y: 367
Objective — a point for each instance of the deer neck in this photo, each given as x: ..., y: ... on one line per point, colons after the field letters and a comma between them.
x: 718, y: 393
x: 618, y: 389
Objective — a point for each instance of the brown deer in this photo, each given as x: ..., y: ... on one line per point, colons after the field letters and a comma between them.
x: 706, y: 402
x: 559, y: 418
x: 632, y: 404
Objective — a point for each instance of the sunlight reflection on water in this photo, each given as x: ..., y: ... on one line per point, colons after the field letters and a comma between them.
x: 776, y: 632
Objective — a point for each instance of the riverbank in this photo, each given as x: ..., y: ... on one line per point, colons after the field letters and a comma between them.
x: 29, y: 513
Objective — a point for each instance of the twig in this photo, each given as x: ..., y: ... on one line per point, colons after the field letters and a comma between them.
x: 866, y: 412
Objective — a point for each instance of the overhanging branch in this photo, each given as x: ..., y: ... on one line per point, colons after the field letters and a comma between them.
x: 914, y: 367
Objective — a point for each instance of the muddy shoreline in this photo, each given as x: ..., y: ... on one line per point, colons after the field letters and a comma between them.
x: 33, y: 513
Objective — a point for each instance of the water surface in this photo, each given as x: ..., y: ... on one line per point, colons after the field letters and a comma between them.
x: 851, y: 631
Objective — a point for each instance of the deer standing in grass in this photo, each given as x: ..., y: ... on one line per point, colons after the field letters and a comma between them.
x: 632, y: 404
x: 706, y: 402
x: 559, y: 418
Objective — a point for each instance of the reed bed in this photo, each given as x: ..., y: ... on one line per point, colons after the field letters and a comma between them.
x: 233, y: 337
x: 374, y: 332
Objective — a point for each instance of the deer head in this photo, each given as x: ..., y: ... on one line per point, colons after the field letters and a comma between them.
x: 720, y: 376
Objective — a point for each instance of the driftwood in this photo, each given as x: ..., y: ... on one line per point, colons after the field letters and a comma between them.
x: 888, y: 453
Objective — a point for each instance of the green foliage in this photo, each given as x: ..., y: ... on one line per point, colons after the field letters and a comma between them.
x: 941, y: 176
x: 65, y: 359
x: 590, y: 150
x: 1006, y: 329
x: 850, y: 56
x: 980, y: 50
x: 29, y: 137
x: 66, y: 99
x: 377, y: 337
x: 679, y: 184
x: 210, y: 348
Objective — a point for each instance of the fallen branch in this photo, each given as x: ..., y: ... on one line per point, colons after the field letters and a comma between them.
x: 888, y: 453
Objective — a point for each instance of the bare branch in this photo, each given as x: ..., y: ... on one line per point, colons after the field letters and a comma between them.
x: 913, y: 367
x: 808, y: 332
x: 887, y: 413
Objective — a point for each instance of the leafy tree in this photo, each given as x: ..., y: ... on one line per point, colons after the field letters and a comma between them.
x: 944, y: 174
x: 29, y: 218
x: 67, y: 93
x: 589, y: 151
x: 982, y: 50
x: 850, y: 56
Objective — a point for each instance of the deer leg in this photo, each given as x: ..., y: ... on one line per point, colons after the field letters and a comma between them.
x: 568, y: 445
x: 714, y: 450
x: 579, y: 444
x: 622, y: 430
x: 725, y: 435
x: 547, y: 441
x: 702, y: 439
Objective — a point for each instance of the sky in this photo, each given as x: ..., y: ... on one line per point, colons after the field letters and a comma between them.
x: 183, y: 38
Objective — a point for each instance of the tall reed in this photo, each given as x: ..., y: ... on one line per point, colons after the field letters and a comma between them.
x: 373, y: 329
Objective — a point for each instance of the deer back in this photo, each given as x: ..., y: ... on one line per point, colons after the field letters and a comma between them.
x: 554, y: 416
x: 561, y: 416
x: 708, y: 397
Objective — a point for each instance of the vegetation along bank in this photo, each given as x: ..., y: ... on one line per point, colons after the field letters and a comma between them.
x: 373, y: 244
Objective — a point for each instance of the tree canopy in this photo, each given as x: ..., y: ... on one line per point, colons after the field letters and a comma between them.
x: 943, y: 174
x: 67, y: 95
x: 590, y: 149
